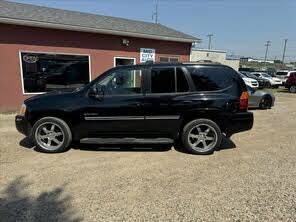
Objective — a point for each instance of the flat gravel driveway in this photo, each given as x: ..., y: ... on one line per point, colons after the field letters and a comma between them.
x: 253, y: 178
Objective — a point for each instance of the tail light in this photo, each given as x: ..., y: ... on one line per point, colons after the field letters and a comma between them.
x: 244, y: 101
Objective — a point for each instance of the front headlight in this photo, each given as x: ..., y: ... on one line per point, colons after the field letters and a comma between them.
x: 23, y: 110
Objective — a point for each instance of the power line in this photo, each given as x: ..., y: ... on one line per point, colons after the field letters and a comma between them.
x: 285, y: 45
x: 210, y: 40
x: 268, y: 43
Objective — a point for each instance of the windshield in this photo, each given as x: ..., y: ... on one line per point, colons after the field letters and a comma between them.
x: 266, y: 75
x: 282, y: 73
x: 251, y: 75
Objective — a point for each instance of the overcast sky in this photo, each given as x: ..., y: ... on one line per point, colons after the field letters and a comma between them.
x: 239, y: 26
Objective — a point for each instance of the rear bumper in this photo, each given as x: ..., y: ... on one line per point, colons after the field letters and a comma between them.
x: 239, y: 122
x: 22, y: 125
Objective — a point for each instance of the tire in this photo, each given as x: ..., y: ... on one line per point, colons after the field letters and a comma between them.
x: 268, y: 85
x: 265, y: 102
x: 194, y: 139
x: 292, y: 89
x: 51, y: 135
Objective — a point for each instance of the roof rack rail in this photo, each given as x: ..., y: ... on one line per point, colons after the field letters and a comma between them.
x: 151, y: 62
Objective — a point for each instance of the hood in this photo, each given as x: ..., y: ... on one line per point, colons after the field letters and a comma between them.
x: 249, y: 79
x: 47, y: 96
x: 276, y: 79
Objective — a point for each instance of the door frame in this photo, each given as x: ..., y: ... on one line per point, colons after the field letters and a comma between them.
x: 121, y: 57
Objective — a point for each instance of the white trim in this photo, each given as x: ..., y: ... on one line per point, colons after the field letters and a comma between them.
x: 120, y: 57
x: 92, y: 30
x: 42, y: 52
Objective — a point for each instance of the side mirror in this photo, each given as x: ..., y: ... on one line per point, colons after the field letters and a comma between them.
x: 93, y: 94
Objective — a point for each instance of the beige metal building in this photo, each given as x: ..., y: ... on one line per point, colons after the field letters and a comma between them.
x: 214, y: 56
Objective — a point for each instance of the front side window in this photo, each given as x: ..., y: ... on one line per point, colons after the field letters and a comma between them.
x: 44, y: 72
x: 121, y: 82
x: 211, y: 78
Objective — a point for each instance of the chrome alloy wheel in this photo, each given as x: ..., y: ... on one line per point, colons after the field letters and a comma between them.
x: 49, y: 136
x: 202, y: 137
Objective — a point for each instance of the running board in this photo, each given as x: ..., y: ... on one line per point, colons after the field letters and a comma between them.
x: 126, y: 141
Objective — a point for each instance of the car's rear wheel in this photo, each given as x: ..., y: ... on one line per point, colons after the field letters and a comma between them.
x: 265, y: 102
x: 292, y: 89
x: 51, y: 135
x: 201, y: 136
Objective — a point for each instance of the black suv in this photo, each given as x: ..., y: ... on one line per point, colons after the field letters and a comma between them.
x: 193, y: 103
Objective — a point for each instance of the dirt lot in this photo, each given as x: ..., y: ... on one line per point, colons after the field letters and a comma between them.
x: 251, y: 179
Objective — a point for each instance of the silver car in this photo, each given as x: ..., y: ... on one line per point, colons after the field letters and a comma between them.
x: 260, y: 99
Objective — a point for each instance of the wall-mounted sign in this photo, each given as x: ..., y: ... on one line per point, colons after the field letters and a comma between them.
x: 30, y: 58
x: 147, y: 55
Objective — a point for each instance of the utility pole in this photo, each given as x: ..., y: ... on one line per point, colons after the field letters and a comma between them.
x: 284, y: 53
x: 210, y: 40
x: 268, y: 43
x: 155, y: 13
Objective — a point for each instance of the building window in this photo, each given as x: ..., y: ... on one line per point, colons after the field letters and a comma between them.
x: 43, y: 72
x: 168, y: 59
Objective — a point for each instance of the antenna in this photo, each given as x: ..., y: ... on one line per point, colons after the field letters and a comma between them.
x: 155, y: 13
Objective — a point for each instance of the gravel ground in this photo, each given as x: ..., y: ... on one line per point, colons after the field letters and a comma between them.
x: 253, y: 178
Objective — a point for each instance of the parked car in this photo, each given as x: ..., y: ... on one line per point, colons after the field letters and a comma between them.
x: 274, y: 82
x: 263, y: 83
x: 249, y: 82
x: 283, y: 75
x: 195, y: 103
x: 291, y: 82
x: 260, y: 99
x: 246, y: 69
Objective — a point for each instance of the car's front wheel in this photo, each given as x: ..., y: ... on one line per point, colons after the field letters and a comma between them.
x: 292, y: 89
x: 51, y: 135
x: 201, y: 136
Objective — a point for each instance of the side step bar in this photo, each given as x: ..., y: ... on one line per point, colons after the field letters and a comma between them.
x: 126, y: 141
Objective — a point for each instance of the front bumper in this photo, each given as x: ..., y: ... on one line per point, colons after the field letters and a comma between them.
x: 22, y: 125
x: 239, y: 122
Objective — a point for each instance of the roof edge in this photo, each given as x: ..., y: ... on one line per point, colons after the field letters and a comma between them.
x: 92, y: 30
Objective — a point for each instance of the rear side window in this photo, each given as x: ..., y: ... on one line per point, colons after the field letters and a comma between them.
x: 168, y: 80
x: 211, y: 78
x: 182, y: 84
x: 163, y: 80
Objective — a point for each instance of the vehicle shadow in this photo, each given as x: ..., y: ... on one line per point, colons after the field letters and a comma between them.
x: 27, y: 143
x: 123, y: 148
x: 16, y: 204
x: 227, y: 143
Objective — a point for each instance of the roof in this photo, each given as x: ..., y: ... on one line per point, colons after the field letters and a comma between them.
x: 38, y: 16
x: 208, y: 50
